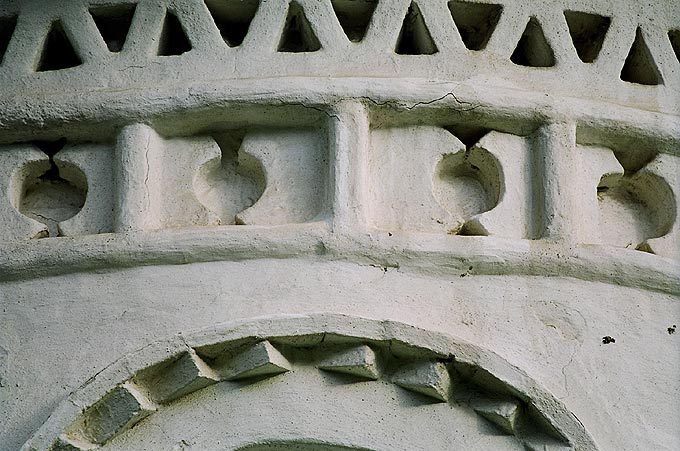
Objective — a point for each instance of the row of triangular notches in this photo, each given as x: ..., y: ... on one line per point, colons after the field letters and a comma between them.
x: 141, y: 396
x: 112, y: 21
x: 432, y: 379
x: 168, y: 381
x: 475, y: 22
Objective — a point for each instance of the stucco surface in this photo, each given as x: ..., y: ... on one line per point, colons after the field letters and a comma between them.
x: 506, y: 175
x: 550, y: 327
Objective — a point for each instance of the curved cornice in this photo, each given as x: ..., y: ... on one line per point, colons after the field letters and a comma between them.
x: 424, y: 253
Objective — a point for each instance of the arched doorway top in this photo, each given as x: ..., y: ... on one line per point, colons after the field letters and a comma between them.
x: 434, y: 366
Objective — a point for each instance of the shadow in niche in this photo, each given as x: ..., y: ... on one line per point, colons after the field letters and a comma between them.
x: 674, y: 36
x: 468, y: 134
x: 640, y: 66
x: 173, y: 40
x: 298, y: 35
x: 7, y: 26
x: 233, y: 18
x: 114, y: 23
x: 533, y: 49
x: 414, y: 37
x: 587, y: 33
x: 354, y: 17
x: 52, y: 191
x: 57, y: 52
x: 468, y: 182
x: 476, y: 22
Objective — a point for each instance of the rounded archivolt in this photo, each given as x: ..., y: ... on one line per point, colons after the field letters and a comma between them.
x: 311, y: 382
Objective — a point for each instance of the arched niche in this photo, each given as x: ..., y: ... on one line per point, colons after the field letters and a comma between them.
x: 316, y: 382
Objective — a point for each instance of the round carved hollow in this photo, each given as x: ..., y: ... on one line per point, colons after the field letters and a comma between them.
x: 52, y: 192
x: 634, y: 208
x: 467, y: 183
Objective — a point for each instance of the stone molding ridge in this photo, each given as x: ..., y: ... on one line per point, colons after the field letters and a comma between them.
x: 433, y: 365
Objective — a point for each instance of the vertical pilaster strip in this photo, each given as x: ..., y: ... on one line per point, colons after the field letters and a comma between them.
x: 349, y: 140
x: 558, y: 166
x: 134, y: 202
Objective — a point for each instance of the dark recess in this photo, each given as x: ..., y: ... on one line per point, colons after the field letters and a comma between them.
x: 587, y: 33
x: 173, y: 40
x: 533, y: 49
x: 57, y: 53
x: 414, y: 37
x: 476, y: 22
x: 640, y: 67
x: 674, y: 36
x: 7, y: 26
x: 354, y: 16
x: 298, y: 35
x: 114, y: 23
x: 233, y: 18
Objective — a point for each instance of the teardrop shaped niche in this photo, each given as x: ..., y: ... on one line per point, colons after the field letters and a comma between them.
x: 232, y: 183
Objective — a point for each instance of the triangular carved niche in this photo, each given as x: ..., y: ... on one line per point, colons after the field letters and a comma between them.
x: 475, y: 22
x: 354, y: 16
x: 533, y: 49
x: 640, y: 67
x: 173, y: 39
x: 233, y: 18
x: 587, y: 33
x: 58, y: 52
x: 298, y: 35
x: 415, y: 38
x: 114, y: 23
x: 7, y: 26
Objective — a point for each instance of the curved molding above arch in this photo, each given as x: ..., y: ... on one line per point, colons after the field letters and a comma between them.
x: 434, y: 371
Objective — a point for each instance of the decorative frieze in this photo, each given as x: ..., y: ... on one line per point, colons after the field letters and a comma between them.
x: 465, y: 379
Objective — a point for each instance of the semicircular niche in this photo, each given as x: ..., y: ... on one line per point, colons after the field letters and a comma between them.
x: 634, y: 208
x: 316, y: 382
x: 467, y: 183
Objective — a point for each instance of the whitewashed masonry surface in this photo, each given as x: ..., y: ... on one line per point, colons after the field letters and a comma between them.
x: 505, y: 174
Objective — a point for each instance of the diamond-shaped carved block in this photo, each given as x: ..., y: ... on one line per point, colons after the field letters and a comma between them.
x: 428, y: 378
x: 179, y: 378
x: 117, y: 411
x: 262, y: 359
x: 360, y: 361
x: 504, y: 413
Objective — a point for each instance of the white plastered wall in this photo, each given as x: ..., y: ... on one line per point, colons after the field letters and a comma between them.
x: 531, y: 211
